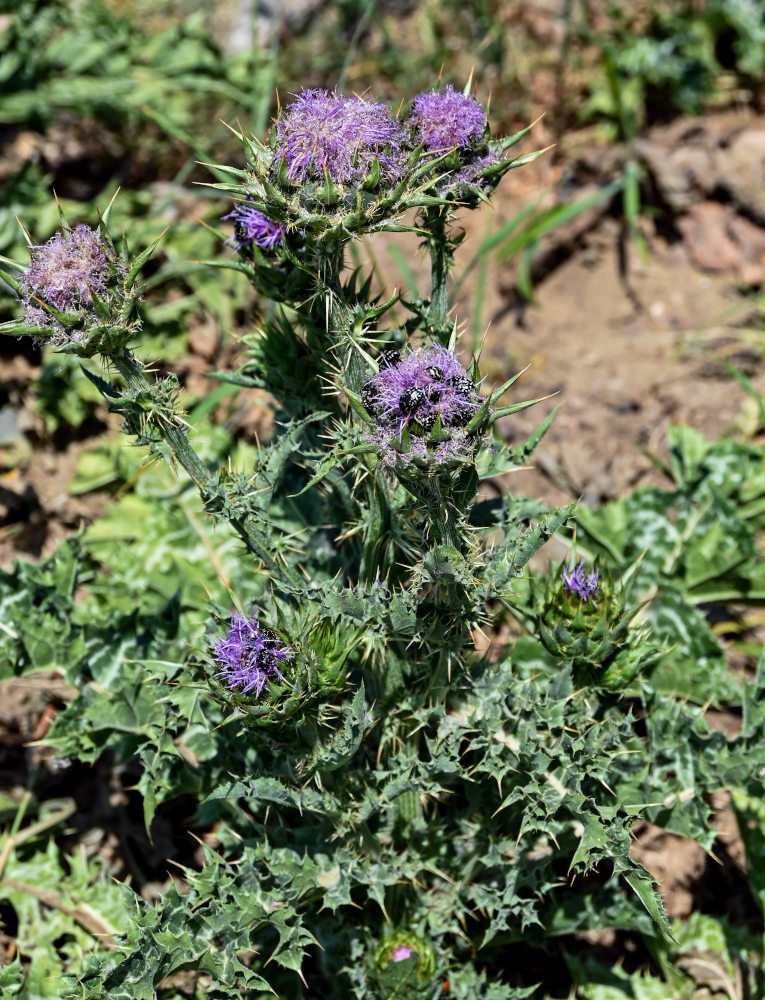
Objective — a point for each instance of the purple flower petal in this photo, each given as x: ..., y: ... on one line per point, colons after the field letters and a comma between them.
x: 65, y: 272
x: 253, y: 226
x: 249, y: 655
x: 343, y: 135
x: 584, y: 585
x: 414, y: 391
x: 448, y: 119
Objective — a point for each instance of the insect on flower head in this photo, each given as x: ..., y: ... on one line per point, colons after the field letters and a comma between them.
x: 249, y: 655
x: 413, y: 390
x: 253, y: 226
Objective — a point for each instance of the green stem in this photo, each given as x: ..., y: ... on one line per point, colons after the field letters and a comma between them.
x: 173, y: 433
x: 380, y: 507
x: 443, y: 514
x: 440, y: 250
x: 177, y: 440
x: 338, y: 314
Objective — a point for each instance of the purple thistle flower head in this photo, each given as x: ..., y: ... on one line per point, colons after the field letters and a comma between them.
x: 413, y: 389
x: 249, y: 655
x: 584, y: 585
x: 253, y: 226
x: 65, y: 272
x: 322, y: 130
x: 421, y: 386
x: 448, y: 119
x: 401, y: 953
x: 469, y: 174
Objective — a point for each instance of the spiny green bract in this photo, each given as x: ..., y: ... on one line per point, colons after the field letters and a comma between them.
x: 80, y: 290
x: 335, y: 167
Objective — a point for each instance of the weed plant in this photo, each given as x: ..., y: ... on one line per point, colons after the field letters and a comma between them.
x: 387, y: 807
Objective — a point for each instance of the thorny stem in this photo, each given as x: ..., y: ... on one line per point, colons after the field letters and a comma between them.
x: 173, y: 433
x: 443, y: 515
x: 179, y: 444
x: 440, y: 262
x: 339, y: 315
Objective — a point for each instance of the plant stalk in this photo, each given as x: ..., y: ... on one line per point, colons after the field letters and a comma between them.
x: 177, y: 440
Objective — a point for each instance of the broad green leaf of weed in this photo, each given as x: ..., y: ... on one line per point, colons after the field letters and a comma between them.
x: 597, y: 982
x: 693, y: 665
x: 63, y: 906
x: 36, y: 603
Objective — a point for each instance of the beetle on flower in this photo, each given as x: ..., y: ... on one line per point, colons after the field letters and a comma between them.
x: 249, y: 655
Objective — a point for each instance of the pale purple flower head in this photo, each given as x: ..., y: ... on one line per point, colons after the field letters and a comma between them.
x: 65, y: 272
x: 413, y: 389
x: 448, y: 119
x: 249, y: 655
x: 326, y: 130
x: 418, y: 386
x: 253, y: 226
x: 401, y: 953
x: 469, y: 174
x: 584, y: 585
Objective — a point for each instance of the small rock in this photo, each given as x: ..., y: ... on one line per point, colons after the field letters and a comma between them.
x: 9, y: 426
x: 742, y: 166
x: 720, y: 241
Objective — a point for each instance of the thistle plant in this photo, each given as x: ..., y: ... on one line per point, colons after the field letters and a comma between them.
x: 383, y: 799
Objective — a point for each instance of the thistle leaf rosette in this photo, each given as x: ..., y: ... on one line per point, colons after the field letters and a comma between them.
x: 581, y: 614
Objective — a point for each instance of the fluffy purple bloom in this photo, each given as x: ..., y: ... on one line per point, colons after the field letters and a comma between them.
x: 401, y: 953
x: 584, y: 585
x: 413, y: 389
x: 322, y: 130
x: 65, y: 272
x: 448, y: 119
x: 249, y: 654
x: 421, y: 386
x: 253, y: 226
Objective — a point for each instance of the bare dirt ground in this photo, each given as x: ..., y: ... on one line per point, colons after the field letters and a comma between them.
x: 628, y: 342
